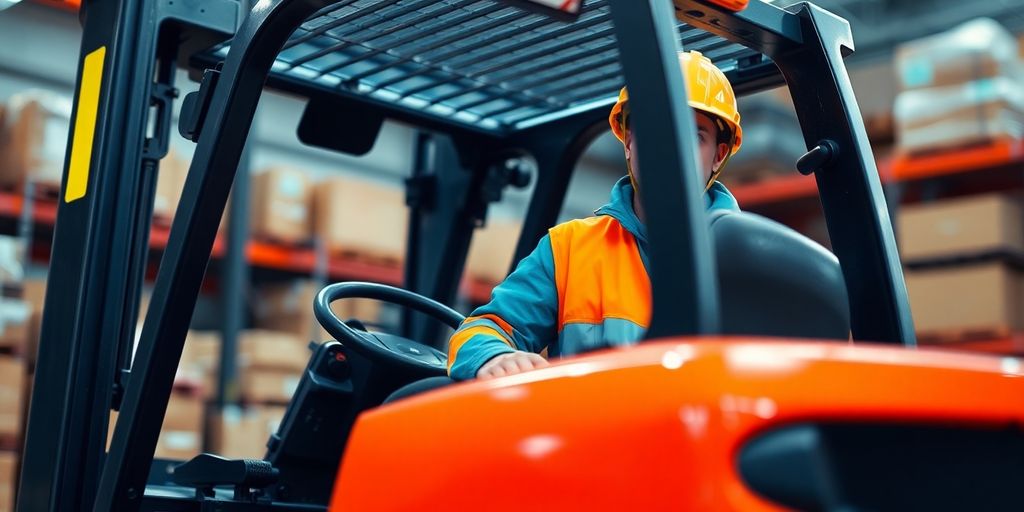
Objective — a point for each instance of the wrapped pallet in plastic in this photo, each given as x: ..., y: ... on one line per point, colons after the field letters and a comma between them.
x: 959, y: 88
x: 975, y: 112
x: 980, y: 48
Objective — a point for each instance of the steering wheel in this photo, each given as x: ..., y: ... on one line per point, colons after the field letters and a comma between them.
x: 389, y: 349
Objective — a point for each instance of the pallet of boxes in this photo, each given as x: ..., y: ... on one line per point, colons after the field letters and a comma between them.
x: 21, y: 301
x: 280, y: 206
x: 491, y: 251
x: 269, y: 366
x: 353, y: 219
x: 960, y: 88
x: 181, y: 434
x: 34, y: 127
x: 361, y: 220
x: 363, y: 224
x: 964, y: 259
x: 962, y: 256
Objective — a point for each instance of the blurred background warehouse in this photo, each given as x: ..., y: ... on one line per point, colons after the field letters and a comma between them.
x: 940, y: 84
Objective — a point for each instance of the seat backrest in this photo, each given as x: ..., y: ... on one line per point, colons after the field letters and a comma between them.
x: 774, y: 281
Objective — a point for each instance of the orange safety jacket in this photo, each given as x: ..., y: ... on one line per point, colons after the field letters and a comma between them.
x: 585, y: 286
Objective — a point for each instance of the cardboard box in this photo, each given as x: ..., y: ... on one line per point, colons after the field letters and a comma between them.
x: 269, y: 386
x: 34, y: 292
x: 181, y: 434
x: 288, y: 307
x: 38, y: 124
x: 111, y: 423
x: 200, y: 363
x: 170, y: 183
x: 15, y: 323
x: 361, y: 217
x: 242, y: 433
x: 8, y: 480
x: 978, y: 48
x: 491, y: 251
x: 202, y: 350
x: 961, y: 227
x: 271, y: 350
x: 280, y: 205
x: 947, y: 117
x: 12, y: 391
x: 12, y: 261
x: 977, y: 298
x: 949, y: 134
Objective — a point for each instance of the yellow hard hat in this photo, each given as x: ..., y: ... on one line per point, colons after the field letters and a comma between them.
x: 709, y: 92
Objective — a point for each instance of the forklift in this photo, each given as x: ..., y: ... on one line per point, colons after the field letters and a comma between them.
x: 735, y: 399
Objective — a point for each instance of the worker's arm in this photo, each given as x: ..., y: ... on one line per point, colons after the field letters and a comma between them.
x: 521, y: 315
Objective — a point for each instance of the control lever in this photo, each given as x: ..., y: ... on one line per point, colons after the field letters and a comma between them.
x: 206, y: 471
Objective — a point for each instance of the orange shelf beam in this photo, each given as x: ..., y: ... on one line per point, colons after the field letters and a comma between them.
x: 987, y: 156
x: 69, y: 5
x: 1012, y: 345
x: 775, y: 190
x: 300, y: 260
x: 477, y: 290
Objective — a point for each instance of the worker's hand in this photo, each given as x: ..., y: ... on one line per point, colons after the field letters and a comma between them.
x: 510, y: 364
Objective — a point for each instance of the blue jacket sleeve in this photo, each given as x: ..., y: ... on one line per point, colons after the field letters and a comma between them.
x: 522, y: 315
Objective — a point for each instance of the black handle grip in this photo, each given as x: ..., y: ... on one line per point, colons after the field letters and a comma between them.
x: 817, y: 158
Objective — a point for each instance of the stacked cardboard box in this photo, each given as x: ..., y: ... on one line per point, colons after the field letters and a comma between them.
x: 169, y: 184
x: 35, y: 136
x: 959, y: 88
x: 200, y: 363
x: 280, y: 203
x: 181, y: 436
x: 8, y: 480
x: 12, y: 396
x: 491, y: 251
x: 961, y: 278
x: 362, y: 218
x: 242, y: 432
x: 288, y: 307
x: 34, y: 292
x: 270, y: 365
x: 19, y: 300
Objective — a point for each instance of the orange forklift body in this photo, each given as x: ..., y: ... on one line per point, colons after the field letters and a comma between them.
x: 654, y: 427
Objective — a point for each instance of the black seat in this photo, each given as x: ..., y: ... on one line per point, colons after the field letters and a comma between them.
x: 774, y: 281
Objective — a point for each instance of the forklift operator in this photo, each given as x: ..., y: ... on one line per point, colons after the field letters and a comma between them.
x: 586, y: 285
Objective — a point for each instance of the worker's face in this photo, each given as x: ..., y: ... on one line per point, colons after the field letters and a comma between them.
x: 711, y: 152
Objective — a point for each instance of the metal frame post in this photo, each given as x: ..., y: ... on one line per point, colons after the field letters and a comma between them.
x: 862, y: 237
x: 683, y: 280
x: 808, y: 45
x: 446, y: 204
x: 100, y: 243
x: 221, y: 143
x: 235, y: 285
x: 84, y: 314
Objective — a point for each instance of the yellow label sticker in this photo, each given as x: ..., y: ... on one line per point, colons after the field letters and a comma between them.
x: 85, y: 125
